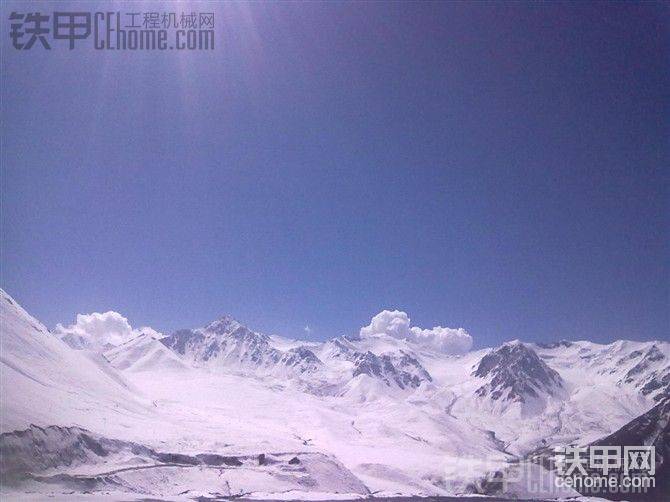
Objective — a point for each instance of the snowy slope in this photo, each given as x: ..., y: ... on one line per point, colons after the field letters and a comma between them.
x: 45, y: 382
x: 144, y: 353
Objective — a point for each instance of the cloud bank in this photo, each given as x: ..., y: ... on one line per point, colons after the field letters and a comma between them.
x: 396, y: 323
x: 98, y: 330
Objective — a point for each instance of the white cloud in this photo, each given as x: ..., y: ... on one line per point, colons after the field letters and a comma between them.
x: 396, y: 323
x: 98, y: 330
x: 448, y: 340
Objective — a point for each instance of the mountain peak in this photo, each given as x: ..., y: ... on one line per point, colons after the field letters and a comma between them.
x: 224, y: 324
x: 516, y: 373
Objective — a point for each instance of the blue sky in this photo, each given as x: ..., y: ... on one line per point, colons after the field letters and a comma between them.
x: 501, y: 167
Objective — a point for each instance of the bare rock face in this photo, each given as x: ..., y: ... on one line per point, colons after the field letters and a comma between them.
x: 515, y: 373
x: 648, y: 375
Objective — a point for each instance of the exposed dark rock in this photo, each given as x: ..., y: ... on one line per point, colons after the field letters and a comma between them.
x: 646, y: 375
x: 24, y: 453
x: 652, y: 355
x: 516, y: 373
x: 229, y: 342
x: 176, y: 458
x: 399, y: 369
x: 213, y: 459
x: 554, y: 345
x: 179, y: 340
x: 651, y: 429
x: 300, y: 358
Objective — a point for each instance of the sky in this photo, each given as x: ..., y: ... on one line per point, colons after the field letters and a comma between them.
x: 501, y: 167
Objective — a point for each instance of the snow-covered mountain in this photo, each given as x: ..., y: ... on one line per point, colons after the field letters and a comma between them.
x: 515, y: 375
x: 226, y: 343
x: 642, y: 367
x: 223, y: 410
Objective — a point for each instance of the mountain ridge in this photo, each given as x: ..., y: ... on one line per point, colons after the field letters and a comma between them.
x: 383, y: 414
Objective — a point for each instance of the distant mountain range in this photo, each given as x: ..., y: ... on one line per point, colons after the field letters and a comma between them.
x: 225, y: 411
